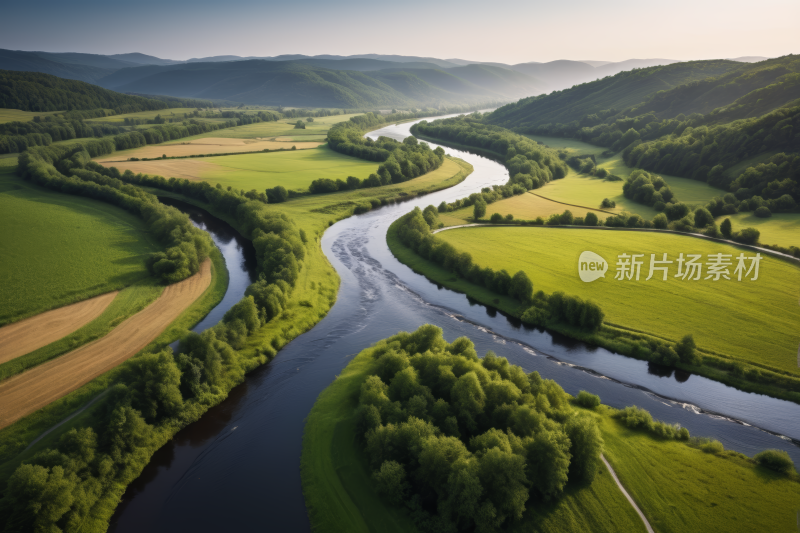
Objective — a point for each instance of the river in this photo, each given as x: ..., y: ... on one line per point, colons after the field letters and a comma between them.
x: 238, y: 468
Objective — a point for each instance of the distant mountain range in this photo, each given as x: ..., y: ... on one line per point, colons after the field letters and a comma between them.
x: 341, y: 81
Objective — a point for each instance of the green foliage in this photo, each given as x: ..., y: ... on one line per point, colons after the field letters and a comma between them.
x: 588, y: 400
x: 480, y: 436
x: 777, y: 460
x: 636, y: 418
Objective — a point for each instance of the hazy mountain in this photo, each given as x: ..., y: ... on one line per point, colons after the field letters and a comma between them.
x: 596, y: 63
x: 89, y: 60
x: 562, y: 74
x: 618, y: 92
x: 307, y: 82
x: 749, y: 59
x: 33, y: 62
x: 142, y: 59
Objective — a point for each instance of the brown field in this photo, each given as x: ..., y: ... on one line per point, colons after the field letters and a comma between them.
x: 23, y: 394
x: 190, y: 169
x: 210, y: 145
x: 32, y: 333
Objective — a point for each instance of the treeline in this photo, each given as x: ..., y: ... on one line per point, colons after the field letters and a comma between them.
x: 64, y: 169
x: 19, y: 136
x: 74, y: 485
x: 466, y: 443
x: 414, y: 231
x: 529, y: 163
x: 33, y: 91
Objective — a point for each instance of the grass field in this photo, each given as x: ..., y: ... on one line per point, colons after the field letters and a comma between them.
x: 59, y: 249
x: 782, y: 229
x: 15, y: 115
x: 294, y: 169
x: 680, y: 488
x: 280, y: 130
x: 175, y: 113
x: 338, y: 487
x: 208, y: 145
x: 524, y: 207
x: 763, y: 329
x: 592, y: 191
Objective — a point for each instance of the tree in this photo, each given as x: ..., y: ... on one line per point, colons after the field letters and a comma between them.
x: 353, y: 182
x: 154, y: 381
x: 703, y: 217
x: 390, y: 482
x: 277, y: 194
x: 660, y: 221
x: 496, y: 218
x: 299, y: 125
x: 521, y: 287
x: 479, y: 210
x: 726, y: 228
x: 548, y: 460
x: 763, y: 212
x: 687, y: 350
x: 590, y: 219
x: 586, y: 445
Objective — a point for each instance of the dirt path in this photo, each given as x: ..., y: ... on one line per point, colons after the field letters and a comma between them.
x: 32, y: 333
x: 628, y: 496
x: 25, y: 393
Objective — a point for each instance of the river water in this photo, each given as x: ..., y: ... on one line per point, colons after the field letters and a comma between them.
x: 238, y: 468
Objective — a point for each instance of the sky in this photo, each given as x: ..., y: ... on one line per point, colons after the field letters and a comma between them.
x: 507, y: 31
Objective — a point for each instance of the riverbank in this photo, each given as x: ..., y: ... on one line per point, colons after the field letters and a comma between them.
x: 715, y: 366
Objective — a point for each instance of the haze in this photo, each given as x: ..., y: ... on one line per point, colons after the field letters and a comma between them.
x: 505, y: 31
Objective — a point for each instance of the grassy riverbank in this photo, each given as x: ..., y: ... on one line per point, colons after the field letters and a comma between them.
x: 747, y: 376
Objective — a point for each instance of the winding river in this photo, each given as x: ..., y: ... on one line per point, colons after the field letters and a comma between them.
x: 238, y: 468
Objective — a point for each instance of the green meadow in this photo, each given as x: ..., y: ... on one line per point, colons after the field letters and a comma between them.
x: 762, y: 330
x: 294, y: 169
x: 782, y: 229
x: 681, y: 488
x: 526, y: 206
x: 15, y: 115
x: 283, y: 128
x: 591, y: 190
x: 58, y: 249
x: 337, y: 482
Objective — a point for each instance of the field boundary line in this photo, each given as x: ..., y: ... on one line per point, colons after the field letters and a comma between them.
x: 628, y: 496
x: 571, y: 205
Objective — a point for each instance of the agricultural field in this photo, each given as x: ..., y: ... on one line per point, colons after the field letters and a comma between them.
x: 175, y: 113
x: 340, y: 496
x: 782, y: 229
x: 59, y: 249
x: 28, y: 392
x: 763, y: 330
x: 207, y: 145
x: 526, y: 206
x: 15, y: 115
x: 294, y: 169
x: 686, y: 190
x: 681, y: 488
x: 281, y: 130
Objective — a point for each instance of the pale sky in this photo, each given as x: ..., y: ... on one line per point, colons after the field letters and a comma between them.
x: 507, y: 31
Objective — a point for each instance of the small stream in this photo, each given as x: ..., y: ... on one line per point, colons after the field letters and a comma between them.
x: 238, y: 468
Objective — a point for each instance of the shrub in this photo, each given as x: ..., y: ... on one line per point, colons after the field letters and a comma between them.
x: 588, y: 400
x: 763, y: 212
x: 496, y: 218
x: 777, y: 460
x: 608, y: 204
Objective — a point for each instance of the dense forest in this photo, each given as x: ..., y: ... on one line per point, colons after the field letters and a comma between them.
x: 32, y: 91
x: 700, y: 129
x: 463, y: 442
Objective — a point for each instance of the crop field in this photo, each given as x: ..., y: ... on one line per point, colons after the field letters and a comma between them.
x: 294, y: 169
x: 762, y: 330
x: 686, y: 190
x: 680, y: 488
x: 588, y: 191
x: 280, y: 130
x: 15, y: 115
x: 59, y: 249
x: 208, y: 145
x: 25, y: 393
x: 175, y: 113
x: 32, y: 333
x: 526, y: 206
x: 782, y: 229
x: 337, y: 481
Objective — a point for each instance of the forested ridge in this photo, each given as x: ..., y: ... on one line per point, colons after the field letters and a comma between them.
x: 698, y: 129
x: 33, y: 91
